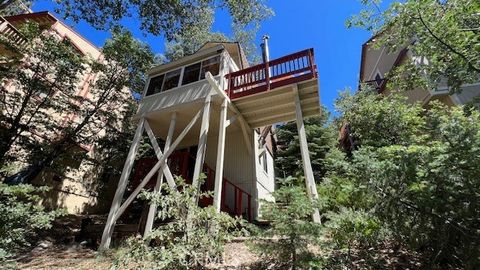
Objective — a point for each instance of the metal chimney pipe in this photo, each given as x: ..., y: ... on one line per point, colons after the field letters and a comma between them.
x: 265, y: 49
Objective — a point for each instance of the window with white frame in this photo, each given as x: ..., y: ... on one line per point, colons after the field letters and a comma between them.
x: 172, y: 79
x: 155, y: 85
x: 262, y: 159
x: 211, y: 65
x: 189, y: 74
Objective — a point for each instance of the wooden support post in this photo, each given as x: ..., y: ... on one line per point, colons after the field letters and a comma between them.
x: 122, y: 185
x: 202, y: 141
x: 246, y: 129
x: 307, y: 165
x: 153, y: 206
x: 220, y: 156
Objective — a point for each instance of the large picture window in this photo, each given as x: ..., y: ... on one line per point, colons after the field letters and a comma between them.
x: 155, y: 85
x: 189, y: 74
x: 171, y: 79
x: 212, y: 65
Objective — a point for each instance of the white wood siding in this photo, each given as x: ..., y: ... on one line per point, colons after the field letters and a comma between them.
x: 265, y: 182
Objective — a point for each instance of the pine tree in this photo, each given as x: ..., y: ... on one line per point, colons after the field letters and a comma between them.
x: 321, y: 137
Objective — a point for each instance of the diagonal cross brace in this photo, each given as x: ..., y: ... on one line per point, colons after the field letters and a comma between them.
x: 243, y: 123
x: 152, y: 210
x: 158, y: 152
x: 157, y: 166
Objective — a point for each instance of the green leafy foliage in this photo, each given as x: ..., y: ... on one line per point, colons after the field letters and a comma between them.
x: 442, y: 36
x: 413, y: 179
x: 49, y: 88
x: 291, y: 238
x: 190, y: 237
x: 56, y: 68
x: 21, y: 216
x: 14, y: 7
x: 186, y: 24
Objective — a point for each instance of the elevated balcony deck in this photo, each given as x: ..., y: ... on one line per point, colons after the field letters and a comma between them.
x: 263, y: 98
x: 264, y: 93
x: 12, y: 35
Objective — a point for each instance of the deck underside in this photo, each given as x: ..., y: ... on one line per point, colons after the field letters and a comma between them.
x: 258, y: 110
x: 278, y: 105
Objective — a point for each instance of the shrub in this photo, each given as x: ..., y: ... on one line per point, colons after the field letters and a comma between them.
x: 21, y: 216
x: 292, y: 237
x: 190, y: 238
x: 414, y: 174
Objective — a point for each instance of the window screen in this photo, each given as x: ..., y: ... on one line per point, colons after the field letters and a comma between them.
x: 212, y: 65
x: 171, y: 79
x: 155, y: 85
x: 191, y: 73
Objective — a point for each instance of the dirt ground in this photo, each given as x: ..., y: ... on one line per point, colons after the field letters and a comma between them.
x: 67, y: 258
x: 59, y: 248
x: 75, y: 257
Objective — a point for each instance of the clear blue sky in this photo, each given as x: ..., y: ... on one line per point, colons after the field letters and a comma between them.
x: 297, y: 25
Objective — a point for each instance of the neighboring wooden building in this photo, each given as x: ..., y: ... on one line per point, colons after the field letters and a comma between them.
x: 209, y: 110
x: 77, y: 189
x: 377, y: 62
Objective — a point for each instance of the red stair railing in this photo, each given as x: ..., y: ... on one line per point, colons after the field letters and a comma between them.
x: 238, y: 192
x: 179, y: 162
x: 293, y: 68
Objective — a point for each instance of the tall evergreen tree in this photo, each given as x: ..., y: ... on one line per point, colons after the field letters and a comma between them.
x: 412, y: 181
x: 321, y: 137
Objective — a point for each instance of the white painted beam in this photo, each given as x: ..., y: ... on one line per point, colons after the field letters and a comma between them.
x: 122, y: 185
x: 217, y: 200
x: 246, y: 129
x: 152, y: 210
x: 307, y: 165
x: 202, y: 141
x: 309, y: 111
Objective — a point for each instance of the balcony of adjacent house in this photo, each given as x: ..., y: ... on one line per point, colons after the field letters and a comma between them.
x: 11, y: 37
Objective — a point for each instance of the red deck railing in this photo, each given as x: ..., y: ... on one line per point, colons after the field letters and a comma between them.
x: 293, y: 68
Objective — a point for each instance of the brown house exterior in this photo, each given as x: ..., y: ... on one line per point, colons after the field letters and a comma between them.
x: 77, y: 189
x: 377, y: 62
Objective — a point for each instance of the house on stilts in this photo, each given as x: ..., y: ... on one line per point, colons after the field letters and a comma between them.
x: 211, y: 112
